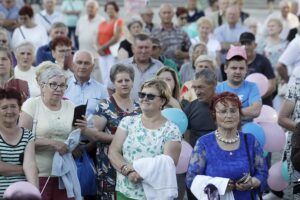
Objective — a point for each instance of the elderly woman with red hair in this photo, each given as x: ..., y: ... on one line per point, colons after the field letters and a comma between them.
x: 228, y: 155
x: 29, y: 30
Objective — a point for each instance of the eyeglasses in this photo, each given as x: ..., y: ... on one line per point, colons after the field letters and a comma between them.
x: 149, y: 96
x: 155, y: 47
x: 54, y: 86
x: 231, y: 111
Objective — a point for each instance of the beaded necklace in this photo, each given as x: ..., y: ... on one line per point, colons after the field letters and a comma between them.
x: 227, y: 141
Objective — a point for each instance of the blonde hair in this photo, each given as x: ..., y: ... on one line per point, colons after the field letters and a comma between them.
x: 204, y: 20
x: 43, y: 67
x: 161, y: 87
x: 277, y: 21
x: 176, y: 91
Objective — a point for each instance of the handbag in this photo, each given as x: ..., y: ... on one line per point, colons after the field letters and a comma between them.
x: 250, y: 166
x: 86, y: 173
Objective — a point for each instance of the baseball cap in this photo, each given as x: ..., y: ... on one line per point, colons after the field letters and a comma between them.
x: 247, y: 37
x: 236, y: 51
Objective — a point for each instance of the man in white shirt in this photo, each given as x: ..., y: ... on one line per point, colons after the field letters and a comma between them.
x: 87, y: 27
x: 49, y: 15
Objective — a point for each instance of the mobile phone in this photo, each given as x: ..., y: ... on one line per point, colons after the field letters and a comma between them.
x: 244, y: 179
x: 79, y: 111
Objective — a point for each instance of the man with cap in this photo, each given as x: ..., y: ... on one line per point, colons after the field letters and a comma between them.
x: 236, y: 70
x: 258, y: 63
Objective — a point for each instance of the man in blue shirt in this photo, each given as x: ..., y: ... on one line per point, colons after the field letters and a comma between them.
x: 236, y: 70
x: 82, y: 88
x: 44, y: 53
x: 9, y: 14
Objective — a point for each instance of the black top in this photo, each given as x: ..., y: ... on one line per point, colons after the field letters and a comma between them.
x: 200, y: 121
x: 262, y: 65
x: 127, y: 46
x: 195, y: 16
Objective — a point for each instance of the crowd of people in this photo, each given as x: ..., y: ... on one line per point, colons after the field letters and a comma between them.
x: 82, y: 81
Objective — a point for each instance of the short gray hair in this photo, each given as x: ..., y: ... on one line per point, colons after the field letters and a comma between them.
x: 26, y: 43
x: 92, y: 1
x: 208, y: 75
x: 50, y: 73
x: 84, y: 51
x: 121, y: 68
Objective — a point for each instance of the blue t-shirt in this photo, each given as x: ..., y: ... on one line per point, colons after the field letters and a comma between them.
x: 248, y: 92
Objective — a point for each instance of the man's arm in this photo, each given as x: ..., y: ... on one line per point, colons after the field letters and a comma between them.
x: 251, y: 111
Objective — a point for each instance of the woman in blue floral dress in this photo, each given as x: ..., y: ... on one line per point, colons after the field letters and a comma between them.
x: 109, y: 113
x: 229, y: 153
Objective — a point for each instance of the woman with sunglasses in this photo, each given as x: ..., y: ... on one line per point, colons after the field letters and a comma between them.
x: 50, y: 117
x: 228, y: 153
x: 141, y: 136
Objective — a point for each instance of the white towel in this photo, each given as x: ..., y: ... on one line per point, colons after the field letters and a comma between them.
x: 159, y: 177
x: 201, y: 181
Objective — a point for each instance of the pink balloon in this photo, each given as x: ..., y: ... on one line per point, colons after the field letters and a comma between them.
x: 20, y: 189
x: 184, y: 158
x: 261, y: 82
x: 275, y: 137
x: 275, y: 179
x: 267, y: 114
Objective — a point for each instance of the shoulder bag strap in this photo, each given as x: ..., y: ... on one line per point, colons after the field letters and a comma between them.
x: 250, y: 165
x: 20, y: 29
x: 45, y: 18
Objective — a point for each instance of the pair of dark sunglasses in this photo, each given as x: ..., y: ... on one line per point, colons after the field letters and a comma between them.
x: 149, y: 96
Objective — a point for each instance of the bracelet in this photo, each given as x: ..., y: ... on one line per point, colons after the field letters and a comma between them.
x: 130, y: 172
x: 123, y: 169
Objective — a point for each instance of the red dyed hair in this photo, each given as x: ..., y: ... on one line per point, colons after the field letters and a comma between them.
x: 59, y: 41
x: 224, y: 98
x: 11, y: 93
x: 181, y: 11
x: 26, y: 10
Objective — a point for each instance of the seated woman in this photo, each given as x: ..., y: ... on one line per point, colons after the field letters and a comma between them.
x: 202, y: 62
x: 146, y: 135
x: 17, y: 160
x: 169, y: 76
x: 7, y: 79
x: 29, y: 30
x: 187, y: 70
x: 24, y: 70
x: 229, y: 153
x: 134, y: 27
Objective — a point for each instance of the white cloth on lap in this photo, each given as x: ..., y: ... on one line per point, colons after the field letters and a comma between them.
x: 159, y: 177
x: 201, y: 181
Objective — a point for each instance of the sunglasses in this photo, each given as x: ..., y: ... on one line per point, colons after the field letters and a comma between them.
x: 149, y: 96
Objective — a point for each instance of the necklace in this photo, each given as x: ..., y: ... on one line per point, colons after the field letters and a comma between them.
x: 227, y: 141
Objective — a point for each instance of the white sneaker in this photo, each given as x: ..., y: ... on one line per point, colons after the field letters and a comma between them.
x: 271, y: 196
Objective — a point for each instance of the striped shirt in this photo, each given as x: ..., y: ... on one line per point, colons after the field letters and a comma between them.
x: 13, y: 154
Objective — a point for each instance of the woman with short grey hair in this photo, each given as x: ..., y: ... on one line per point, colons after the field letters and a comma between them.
x: 24, y: 69
x: 50, y: 118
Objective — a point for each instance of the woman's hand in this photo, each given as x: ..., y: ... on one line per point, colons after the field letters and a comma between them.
x: 134, y: 177
x: 101, y: 50
x: 230, y: 185
x: 81, y: 124
x: 249, y: 185
x: 60, y: 147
